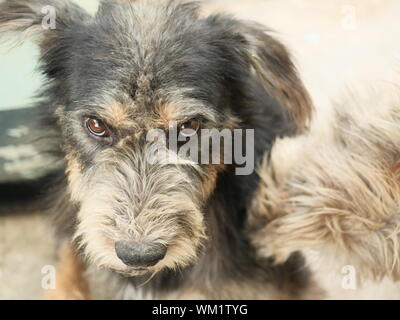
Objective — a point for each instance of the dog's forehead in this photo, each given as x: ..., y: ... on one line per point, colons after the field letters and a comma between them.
x: 149, y: 53
x: 163, y: 113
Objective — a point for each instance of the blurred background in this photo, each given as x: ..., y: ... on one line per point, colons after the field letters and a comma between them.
x: 341, y: 48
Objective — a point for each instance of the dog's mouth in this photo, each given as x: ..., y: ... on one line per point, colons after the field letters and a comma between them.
x: 132, y: 271
x: 138, y: 270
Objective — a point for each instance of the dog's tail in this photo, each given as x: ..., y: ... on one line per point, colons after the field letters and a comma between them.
x: 337, y: 195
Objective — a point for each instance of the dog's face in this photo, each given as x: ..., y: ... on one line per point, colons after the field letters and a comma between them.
x: 139, y: 66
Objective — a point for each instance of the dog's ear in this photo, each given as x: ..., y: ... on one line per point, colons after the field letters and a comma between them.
x: 33, y: 17
x: 46, y: 21
x: 21, y: 16
x: 271, y: 65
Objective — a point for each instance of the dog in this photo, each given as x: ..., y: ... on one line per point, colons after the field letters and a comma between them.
x: 334, y: 192
x: 128, y: 228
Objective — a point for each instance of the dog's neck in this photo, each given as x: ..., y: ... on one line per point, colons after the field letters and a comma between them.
x: 227, y: 253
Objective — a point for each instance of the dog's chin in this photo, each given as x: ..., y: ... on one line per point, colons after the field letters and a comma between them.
x: 129, y: 271
x: 134, y: 272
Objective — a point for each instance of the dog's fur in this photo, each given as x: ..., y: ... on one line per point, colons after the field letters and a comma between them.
x: 336, y: 192
x: 138, y: 65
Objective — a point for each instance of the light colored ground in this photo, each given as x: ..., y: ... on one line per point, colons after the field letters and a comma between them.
x: 26, y: 246
x: 334, y: 52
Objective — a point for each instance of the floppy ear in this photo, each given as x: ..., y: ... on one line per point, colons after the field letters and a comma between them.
x: 46, y: 21
x: 273, y: 68
x: 30, y: 16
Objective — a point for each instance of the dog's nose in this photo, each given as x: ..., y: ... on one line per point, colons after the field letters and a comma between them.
x: 140, y: 254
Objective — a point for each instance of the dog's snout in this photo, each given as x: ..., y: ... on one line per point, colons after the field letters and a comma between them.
x: 140, y: 254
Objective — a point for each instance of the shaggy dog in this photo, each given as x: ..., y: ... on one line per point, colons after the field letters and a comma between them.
x: 129, y: 227
x: 335, y: 192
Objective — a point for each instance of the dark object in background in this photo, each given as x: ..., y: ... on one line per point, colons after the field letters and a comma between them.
x: 23, y: 168
x: 19, y: 160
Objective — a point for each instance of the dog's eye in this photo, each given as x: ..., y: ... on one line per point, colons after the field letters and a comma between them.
x: 189, y: 128
x: 97, y: 128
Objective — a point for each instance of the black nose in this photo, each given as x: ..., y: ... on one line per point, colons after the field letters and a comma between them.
x: 140, y: 254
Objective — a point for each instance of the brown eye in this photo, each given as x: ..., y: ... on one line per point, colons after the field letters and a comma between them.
x: 189, y: 128
x: 97, y: 128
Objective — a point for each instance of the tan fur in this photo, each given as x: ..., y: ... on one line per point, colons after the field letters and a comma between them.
x: 70, y: 283
x: 209, y: 183
x: 337, y: 193
x: 118, y: 115
x: 131, y: 116
x: 168, y: 112
x: 74, y: 173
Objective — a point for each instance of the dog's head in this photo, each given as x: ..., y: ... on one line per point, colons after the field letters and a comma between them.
x: 141, y: 67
